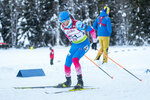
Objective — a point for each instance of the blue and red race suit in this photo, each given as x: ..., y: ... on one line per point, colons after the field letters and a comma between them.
x: 75, y: 32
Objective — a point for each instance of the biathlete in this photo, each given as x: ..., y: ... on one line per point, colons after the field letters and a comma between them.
x: 75, y: 32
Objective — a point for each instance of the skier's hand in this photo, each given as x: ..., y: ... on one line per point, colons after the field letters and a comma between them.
x: 94, y: 46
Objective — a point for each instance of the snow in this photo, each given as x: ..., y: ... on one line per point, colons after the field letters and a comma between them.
x: 54, y: 17
x: 0, y: 25
x: 125, y: 6
x: 1, y: 38
x: 56, y: 0
x: 123, y: 87
x: 124, y: 15
x: 119, y: 11
x: 21, y: 20
x: 138, y: 9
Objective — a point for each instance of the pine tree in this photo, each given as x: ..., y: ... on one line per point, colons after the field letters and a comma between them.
x: 140, y: 21
x: 5, y: 20
x: 35, y: 22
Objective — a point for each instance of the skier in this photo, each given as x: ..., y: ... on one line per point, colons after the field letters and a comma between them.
x: 51, y: 56
x: 103, y: 25
x: 75, y: 32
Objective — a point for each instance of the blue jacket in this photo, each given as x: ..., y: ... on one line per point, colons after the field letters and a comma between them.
x: 103, y: 30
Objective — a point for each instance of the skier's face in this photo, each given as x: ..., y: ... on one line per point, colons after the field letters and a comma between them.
x: 66, y: 22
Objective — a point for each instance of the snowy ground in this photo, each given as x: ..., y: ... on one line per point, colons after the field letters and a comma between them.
x: 122, y: 87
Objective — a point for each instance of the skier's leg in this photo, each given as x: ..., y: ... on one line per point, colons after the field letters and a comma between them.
x: 67, y: 68
x: 51, y: 62
x: 68, y: 62
x: 101, y: 49
x: 77, y: 65
x: 79, y: 73
x: 79, y: 54
x: 67, y: 71
x: 106, y: 45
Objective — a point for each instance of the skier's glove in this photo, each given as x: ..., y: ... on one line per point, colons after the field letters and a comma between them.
x: 94, y: 46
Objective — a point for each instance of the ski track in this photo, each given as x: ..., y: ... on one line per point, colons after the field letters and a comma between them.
x: 123, y: 87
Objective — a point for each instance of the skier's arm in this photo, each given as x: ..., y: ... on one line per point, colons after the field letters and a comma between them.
x: 95, y: 25
x: 68, y: 37
x: 109, y: 26
x: 82, y: 26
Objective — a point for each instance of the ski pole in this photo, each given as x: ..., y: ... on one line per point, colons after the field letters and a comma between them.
x: 120, y: 65
x: 99, y: 67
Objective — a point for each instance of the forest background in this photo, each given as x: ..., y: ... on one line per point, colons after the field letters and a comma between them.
x: 26, y: 23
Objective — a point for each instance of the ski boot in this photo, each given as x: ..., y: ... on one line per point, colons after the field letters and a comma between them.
x: 65, y: 84
x: 97, y: 57
x: 80, y: 82
x: 104, y: 61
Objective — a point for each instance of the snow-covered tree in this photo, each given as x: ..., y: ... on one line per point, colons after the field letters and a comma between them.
x: 35, y: 22
x: 1, y: 38
x: 5, y: 20
x: 139, y: 33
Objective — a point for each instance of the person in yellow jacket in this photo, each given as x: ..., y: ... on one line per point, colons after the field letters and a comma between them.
x: 103, y: 27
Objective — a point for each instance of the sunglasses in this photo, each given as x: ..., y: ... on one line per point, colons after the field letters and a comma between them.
x: 63, y: 21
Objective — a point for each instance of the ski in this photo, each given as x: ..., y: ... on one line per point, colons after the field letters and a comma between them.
x: 38, y: 87
x: 72, y: 90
